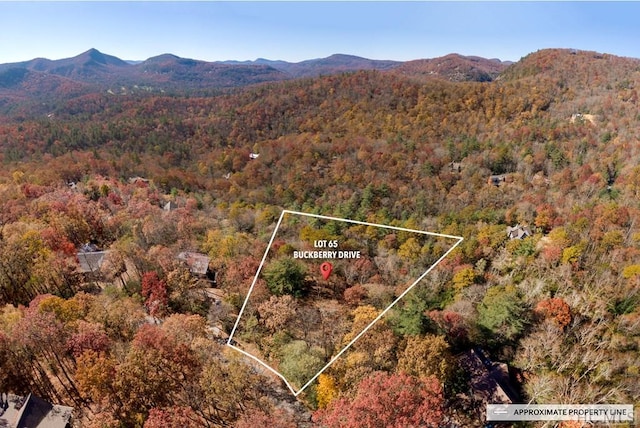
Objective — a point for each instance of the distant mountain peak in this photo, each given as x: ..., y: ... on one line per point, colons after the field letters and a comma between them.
x: 163, y: 57
x: 344, y: 56
x: 95, y: 56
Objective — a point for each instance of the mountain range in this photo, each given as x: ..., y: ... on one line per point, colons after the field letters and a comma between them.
x: 330, y: 65
x: 93, y: 70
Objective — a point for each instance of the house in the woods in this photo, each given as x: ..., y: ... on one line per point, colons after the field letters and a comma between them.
x: 455, y: 166
x: 170, y: 206
x: 497, y: 180
x: 583, y: 118
x: 254, y: 155
x: 138, y: 180
x: 198, y: 265
x: 518, y: 232
x: 90, y: 259
x: 32, y: 412
x: 489, y: 381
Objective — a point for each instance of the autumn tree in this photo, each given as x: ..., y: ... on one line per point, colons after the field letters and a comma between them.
x: 276, y: 418
x: 103, y: 418
x: 546, y: 217
x: 42, y: 337
x: 354, y: 295
x: 452, y: 325
x: 556, y: 309
x: 155, y: 372
x: 88, y: 336
x: 172, y: 417
x: 185, y: 292
x: 238, y: 273
x: 464, y: 277
x: 326, y: 391
x: 65, y: 311
x: 388, y: 400
x: 360, y: 271
x: 277, y: 312
x: 95, y: 374
x: 154, y: 291
x: 425, y: 356
x: 120, y: 316
x: 22, y: 250
x: 227, y: 386
x: 372, y: 351
x: 185, y: 328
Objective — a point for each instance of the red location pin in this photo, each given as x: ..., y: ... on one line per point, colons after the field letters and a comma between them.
x: 325, y: 270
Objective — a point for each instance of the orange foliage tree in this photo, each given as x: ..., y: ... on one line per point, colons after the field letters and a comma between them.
x: 556, y: 309
x: 388, y: 400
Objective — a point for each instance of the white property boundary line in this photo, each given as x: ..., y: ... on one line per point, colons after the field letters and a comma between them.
x: 264, y: 257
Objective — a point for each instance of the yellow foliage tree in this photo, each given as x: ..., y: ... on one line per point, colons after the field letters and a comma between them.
x: 310, y: 234
x: 65, y: 310
x: 571, y: 254
x: 220, y: 245
x: 327, y: 390
x: 491, y: 236
x: 631, y: 271
x: 426, y: 356
x: 463, y: 278
x: 17, y: 176
x: 362, y: 316
x: 612, y: 239
x: 410, y: 250
x: 559, y: 237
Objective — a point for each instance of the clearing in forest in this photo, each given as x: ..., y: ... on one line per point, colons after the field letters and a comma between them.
x: 316, y: 272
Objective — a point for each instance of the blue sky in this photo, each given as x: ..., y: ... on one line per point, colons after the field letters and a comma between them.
x: 294, y: 31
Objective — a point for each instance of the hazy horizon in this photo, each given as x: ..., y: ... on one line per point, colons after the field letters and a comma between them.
x: 297, y: 31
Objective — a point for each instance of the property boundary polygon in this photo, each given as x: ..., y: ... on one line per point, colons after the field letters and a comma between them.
x: 264, y: 257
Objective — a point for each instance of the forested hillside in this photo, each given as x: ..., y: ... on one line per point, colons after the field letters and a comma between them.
x: 552, y: 144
